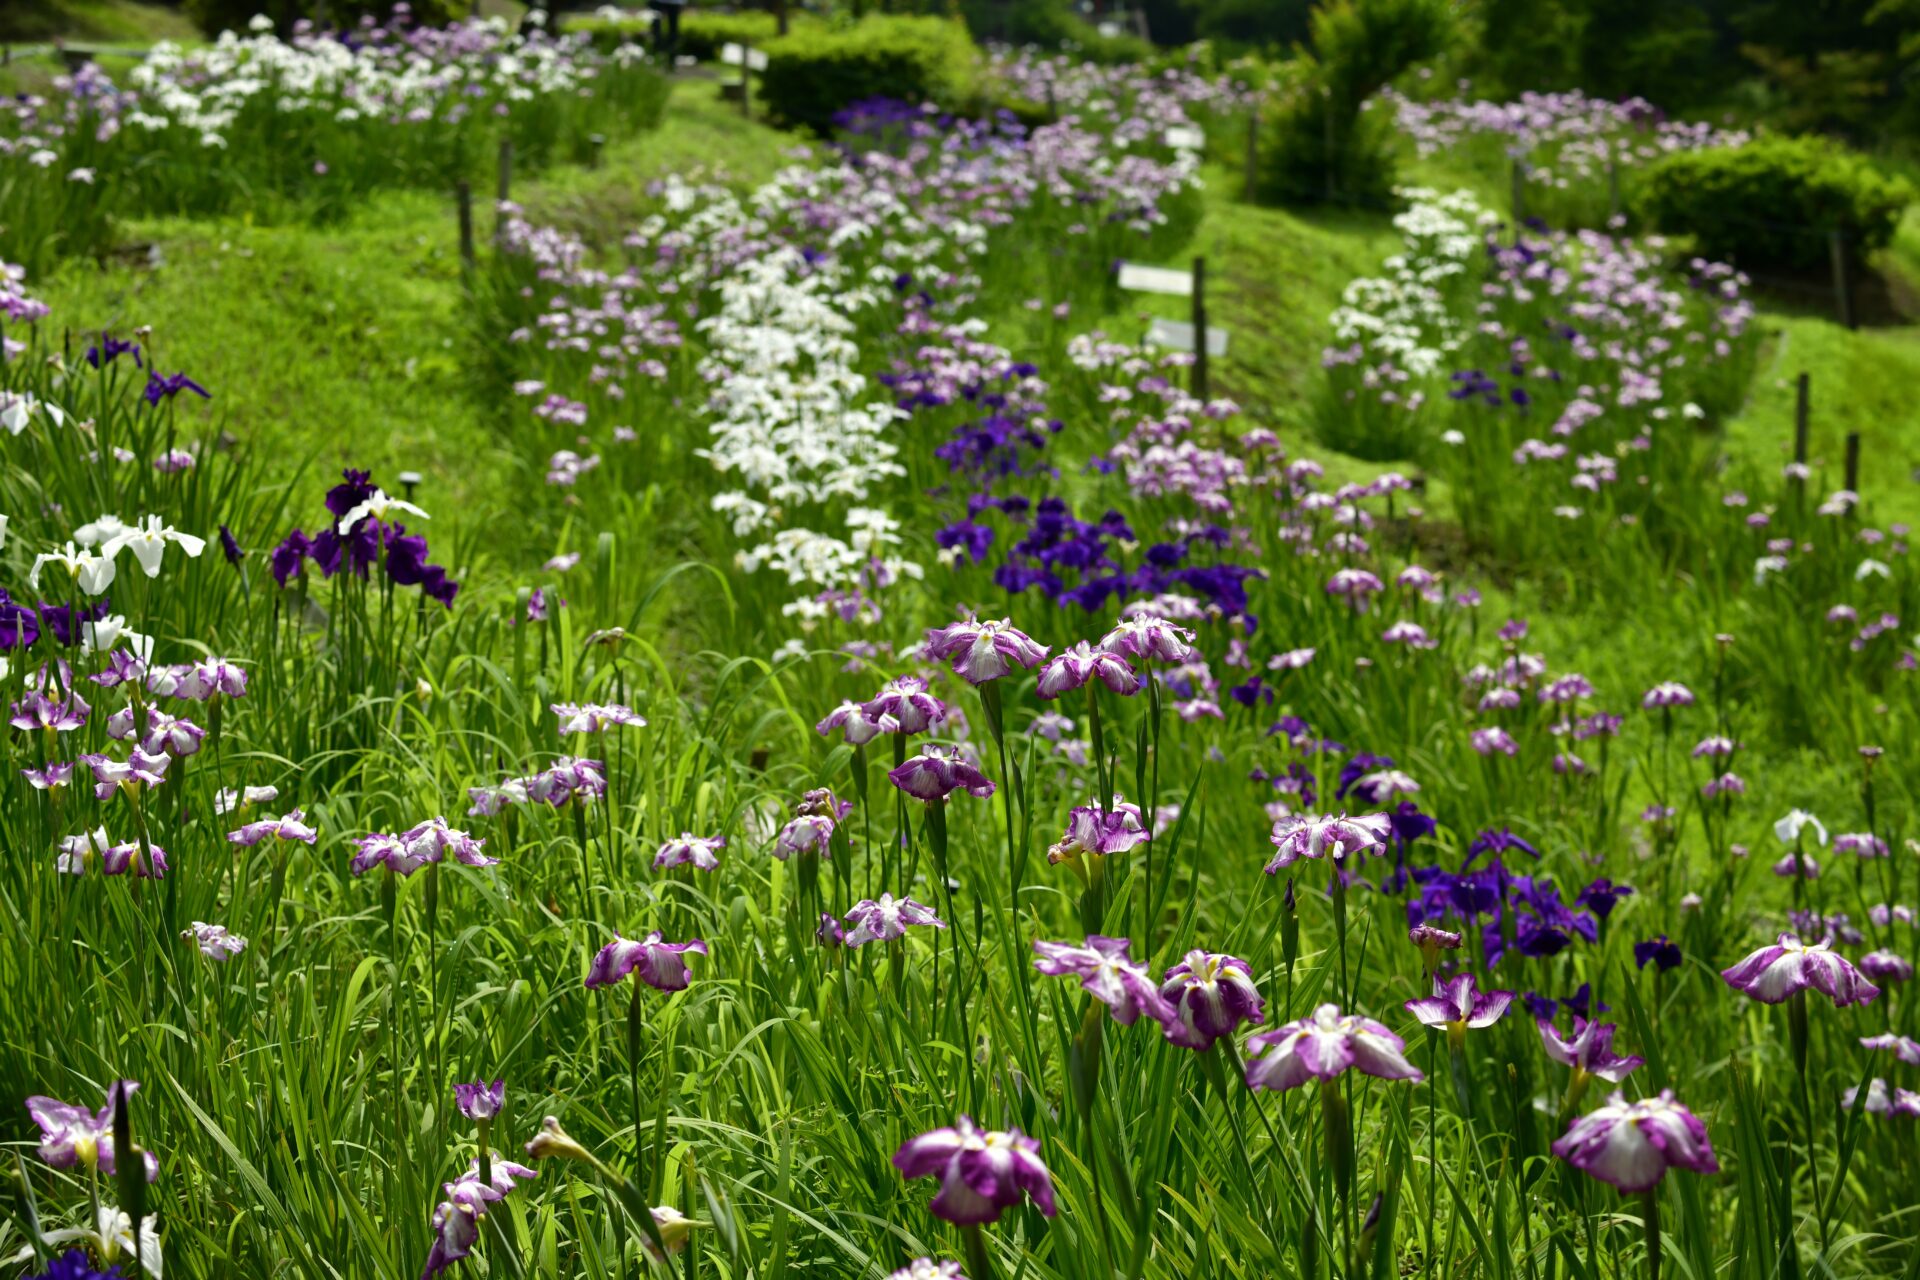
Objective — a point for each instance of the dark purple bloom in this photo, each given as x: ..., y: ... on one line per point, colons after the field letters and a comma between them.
x: 166, y: 388
x: 76, y: 1265
x: 1602, y: 895
x: 1497, y: 842
x: 288, y: 557
x: 1661, y: 951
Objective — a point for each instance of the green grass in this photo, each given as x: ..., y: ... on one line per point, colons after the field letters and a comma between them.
x: 1860, y: 382
x: 95, y: 21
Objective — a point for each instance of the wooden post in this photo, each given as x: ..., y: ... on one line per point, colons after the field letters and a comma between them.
x: 464, y: 193
x: 1613, y: 189
x: 1519, y: 195
x: 746, y: 80
x: 1327, y: 141
x: 506, y: 185
x: 1053, y: 105
x: 1251, y: 182
x: 1802, y: 409
x: 1853, y: 462
x: 596, y: 141
x: 780, y: 15
x: 1200, y: 328
x: 1842, y: 279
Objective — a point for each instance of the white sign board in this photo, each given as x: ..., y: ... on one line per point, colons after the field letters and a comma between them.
x: 1135, y: 278
x: 1177, y: 335
x: 732, y: 54
x: 1182, y: 138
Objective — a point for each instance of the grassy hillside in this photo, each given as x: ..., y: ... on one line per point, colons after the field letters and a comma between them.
x: 369, y: 351
x: 95, y: 21
x: 355, y: 334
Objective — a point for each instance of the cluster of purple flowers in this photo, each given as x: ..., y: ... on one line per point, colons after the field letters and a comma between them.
x: 22, y: 624
x: 361, y: 535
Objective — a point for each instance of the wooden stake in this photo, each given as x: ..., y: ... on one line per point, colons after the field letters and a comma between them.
x: 1200, y: 328
x: 1802, y: 410
x: 1250, y: 183
x: 464, y: 193
x: 1842, y: 278
x: 1853, y: 462
x: 506, y: 185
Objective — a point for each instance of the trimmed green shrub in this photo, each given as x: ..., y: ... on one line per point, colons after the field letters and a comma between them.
x: 1773, y: 202
x: 1320, y: 145
x: 814, y: 72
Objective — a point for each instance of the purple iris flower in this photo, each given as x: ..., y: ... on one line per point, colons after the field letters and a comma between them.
x: 905, y: 702
x: 289, y: 556
x: 456, y: 1222
x: 1660, y: 951
x: 166, y: 388
x: 661, y: 965
x: 1329, y: 836
x: 75, y: 1264
x: 19, y: 624
x: 1322, y: 1046
x: 983, y: 651
x: 937, y: 773
x: 291, y: 827
x: 1073, y: 668
x: 887, y: 919
x: 982, y: 1172
x: 1091, y: 831
x: 1789, y: 966
x: 480, y: 1100
x: 72, y: 1136
x: 1108, y: 975
x: 1457, y: 1005
x: 1497, y: 842
x: 1589, y: 1052
x: 1211, y: 994
x: 1904, y: 1049
x: 1602, y: 896
x: 1632, y: 1144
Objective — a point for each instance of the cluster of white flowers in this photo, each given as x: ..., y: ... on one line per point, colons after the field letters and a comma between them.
x: 426, y: 76
x: 1404, y: 323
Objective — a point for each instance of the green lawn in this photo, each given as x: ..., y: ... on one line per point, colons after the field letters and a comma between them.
x: 89, y: 21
